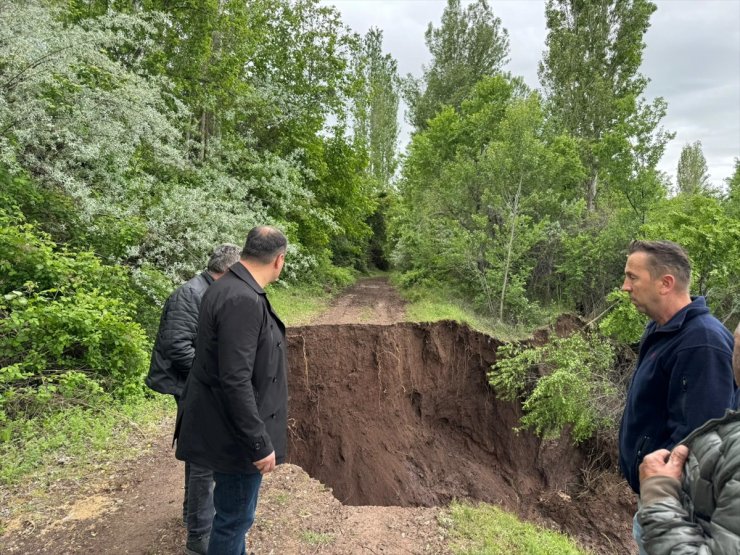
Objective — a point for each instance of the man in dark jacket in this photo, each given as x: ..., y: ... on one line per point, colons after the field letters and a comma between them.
x: 172, y: 357
x: 699, y: 514
x: 233, y: 413
x: 684, y: 370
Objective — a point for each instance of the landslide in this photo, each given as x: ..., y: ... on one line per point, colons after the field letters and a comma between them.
x: 402, y: 415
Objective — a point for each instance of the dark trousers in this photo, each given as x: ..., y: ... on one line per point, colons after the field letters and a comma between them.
x: 198, y: 500
x: 197, y: 503
x: 235, y: 500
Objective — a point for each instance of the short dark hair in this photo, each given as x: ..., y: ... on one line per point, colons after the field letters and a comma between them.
x: 264, y: 243
x: 222, y: 257
x: 665, y: 257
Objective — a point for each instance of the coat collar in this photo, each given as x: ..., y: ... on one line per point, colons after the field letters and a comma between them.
x: 243, y: 274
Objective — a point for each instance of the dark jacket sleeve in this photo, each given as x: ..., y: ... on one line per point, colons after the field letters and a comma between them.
x: 239, y: 327
x: 181, y: 329
x: 701, y: 388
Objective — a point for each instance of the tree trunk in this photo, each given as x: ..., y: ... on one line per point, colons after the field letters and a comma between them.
x: 591, y: 192
x: 510, y: 247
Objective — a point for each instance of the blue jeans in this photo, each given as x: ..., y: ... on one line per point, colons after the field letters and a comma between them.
x: 235, y: 500
x: 198, y: 504
x: 637, y: 534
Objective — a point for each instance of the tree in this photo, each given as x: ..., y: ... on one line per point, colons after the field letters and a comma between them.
x: 480, y: 189
x: 376, y: 107
x: 733, y: 191
x: 590, y: 75
x: 691, y: 175
x: 469, y: 45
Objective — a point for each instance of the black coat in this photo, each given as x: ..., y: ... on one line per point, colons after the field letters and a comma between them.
x: 174, y: 348
x: 234, y: 409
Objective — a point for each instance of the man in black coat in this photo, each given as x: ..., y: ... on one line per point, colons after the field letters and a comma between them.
x: 172, y: 358
x: 233, y: 413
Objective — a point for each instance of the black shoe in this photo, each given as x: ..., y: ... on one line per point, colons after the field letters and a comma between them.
x: 197, y: 545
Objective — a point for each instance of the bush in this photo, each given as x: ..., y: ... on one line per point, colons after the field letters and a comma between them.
x: 564, y: 384
x: 623, y: 323
x: 67, y: 329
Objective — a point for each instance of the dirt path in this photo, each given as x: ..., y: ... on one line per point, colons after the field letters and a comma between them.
x: 135, y: 508
x: 369, y: 301
x: 376, y: 412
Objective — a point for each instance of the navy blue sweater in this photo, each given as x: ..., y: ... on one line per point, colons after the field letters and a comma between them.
x: 683, y: 378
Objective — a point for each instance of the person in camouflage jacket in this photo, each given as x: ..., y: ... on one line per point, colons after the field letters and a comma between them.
x: 701, y: 513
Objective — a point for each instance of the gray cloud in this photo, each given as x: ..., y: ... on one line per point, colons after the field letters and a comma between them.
x: 692, y: 58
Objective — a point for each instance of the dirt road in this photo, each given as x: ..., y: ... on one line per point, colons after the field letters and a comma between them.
x: 135, y: 507
x: 387, y: 413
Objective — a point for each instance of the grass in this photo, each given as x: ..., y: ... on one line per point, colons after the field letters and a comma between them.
x: 296, y: 306
x: 316, y: 538
x: 70, y: 441
x: 432, y: 305
x: 487, y: 530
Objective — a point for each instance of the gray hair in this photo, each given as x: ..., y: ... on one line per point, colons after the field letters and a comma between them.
x: 264, y: 243
x: 223, y: 256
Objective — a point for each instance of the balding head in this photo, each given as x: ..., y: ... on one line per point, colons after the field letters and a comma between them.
x: 263, y: 244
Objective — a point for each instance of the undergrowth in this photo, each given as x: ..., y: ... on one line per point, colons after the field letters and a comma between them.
x: 487, y: 530
x: 297, y: 305
x: 70, y: 442
x: 427, y: 304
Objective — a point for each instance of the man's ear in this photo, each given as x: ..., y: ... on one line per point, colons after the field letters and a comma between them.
x: 667, y: 284
x: 278, y: 259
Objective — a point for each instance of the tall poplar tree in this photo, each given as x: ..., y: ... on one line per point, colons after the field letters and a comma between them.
x: 691, y: 174
x: 376, y: 107
x: 590, y: 73
x: 469, y: 45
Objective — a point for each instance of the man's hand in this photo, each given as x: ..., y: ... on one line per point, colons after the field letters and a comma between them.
x: 664, y: 463
x: 266, y: 465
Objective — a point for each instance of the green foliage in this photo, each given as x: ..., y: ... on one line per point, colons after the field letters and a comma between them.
x: 477, y: 193
x: 590, y: 74
x: 488, y: 530
x: 712, y: 238
x: 564, y: 384
x: 469, y: 45
x: 67, y: 329
x: 691, y: 174
x: 69, y: 443
x: 623, y: 323
x: 732, y: 204
x: 375, y: 108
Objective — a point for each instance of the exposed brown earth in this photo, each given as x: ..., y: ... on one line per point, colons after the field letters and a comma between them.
x: 388, y: 423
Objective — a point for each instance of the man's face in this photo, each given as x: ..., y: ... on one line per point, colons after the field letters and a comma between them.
x: 643, y: 289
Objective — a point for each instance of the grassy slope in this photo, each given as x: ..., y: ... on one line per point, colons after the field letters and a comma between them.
x: 487, y: 530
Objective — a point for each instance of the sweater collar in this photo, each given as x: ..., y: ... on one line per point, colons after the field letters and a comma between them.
x: 696, y: 307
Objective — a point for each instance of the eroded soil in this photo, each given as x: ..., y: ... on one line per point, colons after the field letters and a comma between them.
x: 388, y: 423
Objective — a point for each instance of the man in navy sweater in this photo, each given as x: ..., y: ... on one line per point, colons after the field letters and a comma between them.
x: 684, y: 371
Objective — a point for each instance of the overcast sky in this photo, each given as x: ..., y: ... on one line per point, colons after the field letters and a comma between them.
x: 692, y: 59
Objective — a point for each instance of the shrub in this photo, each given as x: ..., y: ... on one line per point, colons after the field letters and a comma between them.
x: 67, y: 329
x: 564, y: 384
